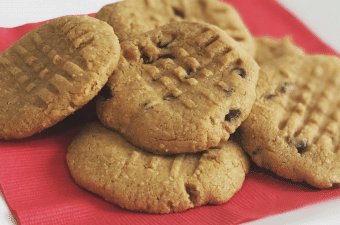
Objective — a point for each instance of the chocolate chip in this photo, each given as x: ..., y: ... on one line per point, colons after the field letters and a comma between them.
x: 189, y: 72
x: 106, y: 92
x: 240, y: 71
x: 299, y: 144
x: 232, y: 115
x: 169, y: 97
x: 270, y: 96
x: 192, y: 192
x: 285, y: 87
x: 166, y: 56
x: 229, y: 91
x: 148, y: 105
x: 178, y: 12
x: 146, y: 59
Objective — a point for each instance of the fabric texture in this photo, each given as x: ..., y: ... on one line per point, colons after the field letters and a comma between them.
x: 36, y: 184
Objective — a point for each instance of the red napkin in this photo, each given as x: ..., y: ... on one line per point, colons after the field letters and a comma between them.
x: 39, y: 190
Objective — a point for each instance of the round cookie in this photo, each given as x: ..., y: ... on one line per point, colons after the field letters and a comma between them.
x: 294, y: 125
x: 183, y: 87
x: 269, y: 49
x: 52, y: 71
x: 131, y: 18
x: 103, y: 162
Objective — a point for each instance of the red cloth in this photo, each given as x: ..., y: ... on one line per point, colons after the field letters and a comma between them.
x: 39, y: 190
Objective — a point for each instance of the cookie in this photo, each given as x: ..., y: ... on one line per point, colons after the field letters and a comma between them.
x: 52, y: 71
x: 131, y: 18
x: 293, y: 129
x: 268, y: 49
x: 183, y: 87
x: 102, y: 162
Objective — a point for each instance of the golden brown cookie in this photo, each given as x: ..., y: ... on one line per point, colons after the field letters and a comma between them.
x: 183, y: 87
x: 131, y: 18
x: 269, y: 49
x: 294, y: 126
x: 52, y: 71
x: 103, y: 162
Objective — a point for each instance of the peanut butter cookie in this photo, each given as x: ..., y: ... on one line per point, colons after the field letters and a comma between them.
x: 131, y: 18
x: 52, y: 71
x: 268, y: 49
x: 294, y: 126
x: 103, y: 162
x: 183, y: 87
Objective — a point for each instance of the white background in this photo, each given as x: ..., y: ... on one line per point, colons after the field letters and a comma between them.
x: 321, y: 16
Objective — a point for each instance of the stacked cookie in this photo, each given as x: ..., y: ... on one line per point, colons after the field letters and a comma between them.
x: 180, y: 78
x: 53, y: 71
x: 181, y: 88
x: 293, y: 129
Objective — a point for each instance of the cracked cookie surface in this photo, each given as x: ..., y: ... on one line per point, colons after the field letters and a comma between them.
x: 183, y: 87
x: 294, y: 125
x: 52, y: 71
x: 131, y: 18
x: 103, y: 162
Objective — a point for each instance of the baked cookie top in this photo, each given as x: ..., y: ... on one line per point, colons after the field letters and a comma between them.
x: 293, y: 128
x: 52, y: 71
x: 131, y: 18
x: 103, y: 162
x: 271, y: 49
x: 183, y: 87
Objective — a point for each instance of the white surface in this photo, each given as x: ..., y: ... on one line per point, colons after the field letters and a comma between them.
x: 5, y: 215
x: 18, y: 12
x: 326, y: 213
x: 321, y: 16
